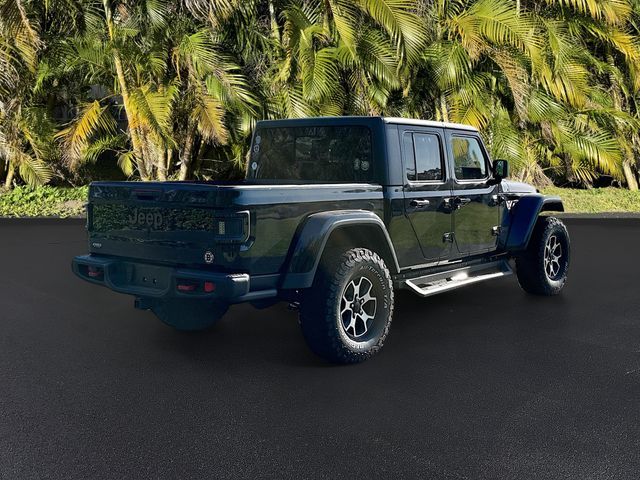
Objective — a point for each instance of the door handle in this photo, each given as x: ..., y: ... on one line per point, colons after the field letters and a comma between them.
x: 461, y: 201
x: 419, y: 203
x: 449, y: 204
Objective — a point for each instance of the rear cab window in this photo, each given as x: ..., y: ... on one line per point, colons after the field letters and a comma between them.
x: 313, y: 154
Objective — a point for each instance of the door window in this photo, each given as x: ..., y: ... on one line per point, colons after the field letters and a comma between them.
x: 423, y: 157
x: 469, y: 160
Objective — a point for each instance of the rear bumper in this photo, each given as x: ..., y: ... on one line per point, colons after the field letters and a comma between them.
x: 147, y: 280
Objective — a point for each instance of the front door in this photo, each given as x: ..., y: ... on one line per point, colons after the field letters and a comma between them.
x: 474, y: 201
x: 426, y: 188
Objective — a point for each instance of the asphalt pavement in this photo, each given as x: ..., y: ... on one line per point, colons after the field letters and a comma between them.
x: 482, y: 382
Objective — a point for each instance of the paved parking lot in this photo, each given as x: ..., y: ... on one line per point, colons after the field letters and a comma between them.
x: 483, y: 382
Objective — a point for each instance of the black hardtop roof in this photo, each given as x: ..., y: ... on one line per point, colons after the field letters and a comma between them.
x: 360, y: 120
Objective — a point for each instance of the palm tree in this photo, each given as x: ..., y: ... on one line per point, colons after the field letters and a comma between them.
x: 526, y: 79
x: 323, y: 57
x: 591, y: 43
x: 25, y: 129
x: 177, y: 87
x: 553, y: 85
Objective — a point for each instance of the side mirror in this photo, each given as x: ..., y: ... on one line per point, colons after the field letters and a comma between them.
x: 500, y: 169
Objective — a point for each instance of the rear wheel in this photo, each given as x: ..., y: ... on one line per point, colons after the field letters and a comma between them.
x: 189, y: 315
x: 542, y: 268
x: 345, y: 316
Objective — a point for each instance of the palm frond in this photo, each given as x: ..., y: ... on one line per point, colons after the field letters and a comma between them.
x: 209, y: 115
x: 319, y: 73
x: 33, y: 171
x: 92, y: 119
x: 610, y: 11
x: 17, y: 28
x: 398, y: 19
x: 127, y: 163
x: 345, y: 19
x: 103, y: 144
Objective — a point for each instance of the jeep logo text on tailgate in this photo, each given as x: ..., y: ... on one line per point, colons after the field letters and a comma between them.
x: 145, y: 219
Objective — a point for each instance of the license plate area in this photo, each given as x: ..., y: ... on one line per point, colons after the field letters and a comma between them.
x: 150, y: 276
x: 141, y: 276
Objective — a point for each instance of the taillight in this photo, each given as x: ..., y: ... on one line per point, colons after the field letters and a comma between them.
x: 193, y: 286
x: 231, y: 228
x: 95, y: 272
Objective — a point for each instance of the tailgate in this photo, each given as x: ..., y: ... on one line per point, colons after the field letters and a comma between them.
x: 177, y: 223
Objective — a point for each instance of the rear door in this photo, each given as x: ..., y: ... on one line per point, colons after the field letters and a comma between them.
x: 426, y: 187
x: 474, y: 202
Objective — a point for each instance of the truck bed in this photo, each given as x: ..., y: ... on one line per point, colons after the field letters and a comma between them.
x: 245, y: 225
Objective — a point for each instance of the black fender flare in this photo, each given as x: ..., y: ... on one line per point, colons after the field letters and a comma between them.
x: 309, y: 243
x: 522, y: 218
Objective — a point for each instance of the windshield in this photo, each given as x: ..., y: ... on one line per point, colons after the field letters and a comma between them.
x: 313, y: 154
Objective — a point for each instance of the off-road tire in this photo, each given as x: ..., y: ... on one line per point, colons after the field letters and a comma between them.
x: 189, y: 315
x: 531, y: 268
x: 320, y: 318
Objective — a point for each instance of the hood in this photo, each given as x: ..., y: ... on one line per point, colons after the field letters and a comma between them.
x: 517, y: 187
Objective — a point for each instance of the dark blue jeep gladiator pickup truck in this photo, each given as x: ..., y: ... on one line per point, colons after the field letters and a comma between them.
x: 334, y: 214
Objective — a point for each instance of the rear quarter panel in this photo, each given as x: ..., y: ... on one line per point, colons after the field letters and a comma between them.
x: 278, y: 212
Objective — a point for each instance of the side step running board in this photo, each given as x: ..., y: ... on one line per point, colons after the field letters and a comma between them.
x: 428, y: 285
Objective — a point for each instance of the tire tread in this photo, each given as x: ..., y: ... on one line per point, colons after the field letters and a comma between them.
x: 530, y: 264
x: 317, y: 317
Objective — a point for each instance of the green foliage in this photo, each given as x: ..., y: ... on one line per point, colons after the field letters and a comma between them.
x: 597, y: 200
x: 168, y: 88
x: 70, y: 202
x: 43, y: 201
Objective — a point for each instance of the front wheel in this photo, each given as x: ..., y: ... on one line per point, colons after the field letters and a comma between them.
x: 189, y: 315
x: 345, y: 316
x: 542, y: 268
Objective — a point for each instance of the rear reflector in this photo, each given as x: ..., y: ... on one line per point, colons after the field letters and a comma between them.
x: 209, y: 287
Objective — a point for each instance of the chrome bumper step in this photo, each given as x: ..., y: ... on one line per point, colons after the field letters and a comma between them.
x: 432, y: 284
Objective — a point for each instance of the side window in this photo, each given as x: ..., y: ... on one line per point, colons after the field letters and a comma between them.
x: 423, y: 157
x: 469, y: 160
x: 409, y: 156
x: 428, y: 156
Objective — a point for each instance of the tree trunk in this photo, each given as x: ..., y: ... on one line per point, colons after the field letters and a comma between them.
x: 161, y: 170
x: 159, y: 154
x: 145, y: 167
x: 148, y: 149
x: 187, y: 153
x: 168, y: 161
x: 443, y: 108
x: 198, y: 163
x: 569, y: 175
x: 9, y: 180
x: 135, y: 139
x: 275, y: 31
x: 117, y: 61
x: 630, y: 177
